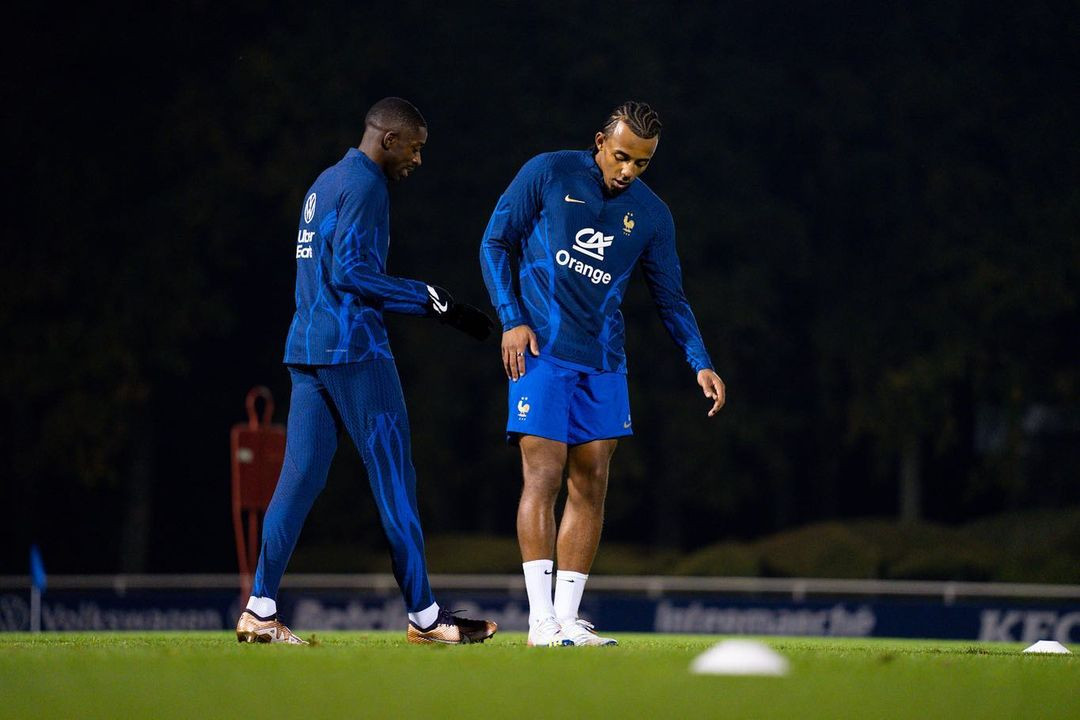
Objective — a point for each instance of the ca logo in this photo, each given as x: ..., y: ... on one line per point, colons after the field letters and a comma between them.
x: 591, y: 242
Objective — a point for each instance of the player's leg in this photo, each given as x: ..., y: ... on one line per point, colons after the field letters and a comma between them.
x: 579, y: 535
x: 368, y: 395
x: 583, y: 516
x: 542, y: 464
x: 310, y: 443
x: 599, y: 413
x: 538, y: 405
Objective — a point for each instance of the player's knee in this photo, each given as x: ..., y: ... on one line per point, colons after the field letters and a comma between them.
x: 303, y: 470
x: 544, y: 480
x: 589, y: 485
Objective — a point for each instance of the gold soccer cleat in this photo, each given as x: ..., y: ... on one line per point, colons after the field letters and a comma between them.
x: 451, y: 630
x: 253, y: 629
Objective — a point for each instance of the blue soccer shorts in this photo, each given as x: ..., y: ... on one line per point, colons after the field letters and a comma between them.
x: 567, y: 405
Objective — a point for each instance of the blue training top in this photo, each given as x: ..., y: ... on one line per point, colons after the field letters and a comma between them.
x: 576, y: 248
x: 342, y: 287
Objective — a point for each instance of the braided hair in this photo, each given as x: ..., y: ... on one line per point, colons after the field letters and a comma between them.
x: 642, y: 120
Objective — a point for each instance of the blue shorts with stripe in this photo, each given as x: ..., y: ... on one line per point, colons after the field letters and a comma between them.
x: 570, y: 405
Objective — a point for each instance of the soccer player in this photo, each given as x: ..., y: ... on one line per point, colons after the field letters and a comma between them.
x: 577, y: 223
x: 344, y: 377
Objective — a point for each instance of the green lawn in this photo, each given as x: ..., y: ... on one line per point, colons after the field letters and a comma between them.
x: 372, y: 675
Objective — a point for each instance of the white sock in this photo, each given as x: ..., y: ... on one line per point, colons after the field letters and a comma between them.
x: 426, y: 617
x: 538, y: 586
x: 262, y: 606
x: 569, y: 587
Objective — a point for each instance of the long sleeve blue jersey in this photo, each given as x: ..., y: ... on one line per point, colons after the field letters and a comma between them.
x: 342, y: 287
x: 576, y: 248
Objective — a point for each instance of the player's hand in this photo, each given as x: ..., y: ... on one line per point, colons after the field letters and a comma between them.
x: 515, y: 342
x: 714, y: 389
x: 440, y: 302
x: 470, y: 320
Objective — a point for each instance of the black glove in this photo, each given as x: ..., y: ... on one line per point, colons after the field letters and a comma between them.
x: 439, y: 302
x: 470, y: 320
x: 463, y: 316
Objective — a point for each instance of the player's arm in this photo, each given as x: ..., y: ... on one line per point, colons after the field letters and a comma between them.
x: 515, y: 215
x: 663, y: 275
x: 403, y: 308
x: 357, y: 268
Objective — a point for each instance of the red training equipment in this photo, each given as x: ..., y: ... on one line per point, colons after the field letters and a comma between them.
x: 258, y: 450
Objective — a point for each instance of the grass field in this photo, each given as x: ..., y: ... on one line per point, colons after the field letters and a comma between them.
x: 374, y: 675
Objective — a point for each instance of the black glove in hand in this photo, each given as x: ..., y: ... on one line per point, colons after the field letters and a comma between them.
x: 470, y: 320
x: 439, y: 302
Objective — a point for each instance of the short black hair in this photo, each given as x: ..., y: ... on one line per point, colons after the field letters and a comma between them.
x: 642, y: 120
x: 394, y: 113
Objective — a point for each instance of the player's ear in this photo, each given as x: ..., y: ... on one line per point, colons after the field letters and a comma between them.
x: 388, y: 139
x: 599, y: 141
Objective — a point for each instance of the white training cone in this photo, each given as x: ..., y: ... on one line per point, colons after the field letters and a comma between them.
x: 739, y: 657
x: 1048, y: 646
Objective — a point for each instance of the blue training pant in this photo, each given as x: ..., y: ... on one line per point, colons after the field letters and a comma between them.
x: 364, y: 399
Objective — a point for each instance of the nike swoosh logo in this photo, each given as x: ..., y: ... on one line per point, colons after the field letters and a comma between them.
x: 547, y: 572
x: 626, y: 425
x: 440, y: 307
x: 570, y: 199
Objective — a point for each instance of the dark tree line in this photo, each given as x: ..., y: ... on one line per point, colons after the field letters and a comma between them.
x: 877, y: 208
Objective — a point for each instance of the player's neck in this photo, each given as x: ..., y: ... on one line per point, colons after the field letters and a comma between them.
x: 372, y: 148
